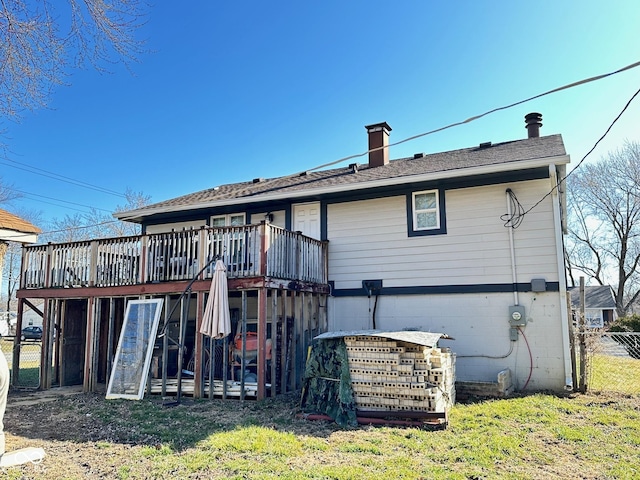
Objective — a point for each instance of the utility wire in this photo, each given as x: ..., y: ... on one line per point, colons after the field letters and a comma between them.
x: 511, y: 221
x: 61, y: 178
x: 79, y: 227
x: 517, y: 212
x: 82, y: 227
x: 585, y: 156
x: 29, y: 194
x: 476, y: 117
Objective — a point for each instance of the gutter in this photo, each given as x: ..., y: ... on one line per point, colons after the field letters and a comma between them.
x: 562, y: 279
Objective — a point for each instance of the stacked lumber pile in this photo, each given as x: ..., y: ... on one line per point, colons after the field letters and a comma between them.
x: 392, y: 375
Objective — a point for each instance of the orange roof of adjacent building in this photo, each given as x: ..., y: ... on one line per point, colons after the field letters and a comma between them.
x: 9, y: 221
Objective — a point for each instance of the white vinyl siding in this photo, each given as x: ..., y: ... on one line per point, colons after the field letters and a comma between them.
x: 169, y: 227
x: 367, y: 239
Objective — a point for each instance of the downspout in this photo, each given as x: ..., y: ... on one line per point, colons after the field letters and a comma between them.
x: 514, y: 275
x: 556, y: 199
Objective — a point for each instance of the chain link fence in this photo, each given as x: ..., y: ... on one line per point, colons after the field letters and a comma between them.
x: 29, y: 362
x: 612, y: 361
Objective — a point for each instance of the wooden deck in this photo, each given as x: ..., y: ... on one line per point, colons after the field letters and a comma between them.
x: 250, y: 251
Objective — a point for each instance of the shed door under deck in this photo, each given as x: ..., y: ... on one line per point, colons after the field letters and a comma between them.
x: 74, y: 328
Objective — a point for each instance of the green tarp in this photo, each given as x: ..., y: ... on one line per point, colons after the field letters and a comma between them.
x: 327, y: 382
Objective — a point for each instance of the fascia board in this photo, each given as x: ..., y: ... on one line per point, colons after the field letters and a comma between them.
x: 15, y: 236
x: 447, y: 174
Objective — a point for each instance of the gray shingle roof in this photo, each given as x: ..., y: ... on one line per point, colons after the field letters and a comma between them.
x: 401, y: 169
x: 596, y: 296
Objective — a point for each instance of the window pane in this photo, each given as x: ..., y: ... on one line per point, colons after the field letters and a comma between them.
x: 426, y: 219
x: 425, y: 201
x: 217, y: 222
x: 237, y: 220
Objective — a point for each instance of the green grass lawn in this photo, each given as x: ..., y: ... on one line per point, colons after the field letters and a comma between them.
x: 30, y: 361
x: 614, y: 374
x: 531, y: 437
x: 593, y: 436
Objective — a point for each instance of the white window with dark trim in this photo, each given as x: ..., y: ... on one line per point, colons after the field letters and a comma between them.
x: 231, y: 243
x: 426, y: 212
x: 230, y: 220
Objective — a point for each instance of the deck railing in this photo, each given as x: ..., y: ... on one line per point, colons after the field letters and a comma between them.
x: 247, y: 251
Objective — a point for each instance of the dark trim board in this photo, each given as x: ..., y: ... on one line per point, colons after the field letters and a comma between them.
x: 350, y: 195
x: 440, y: 289
x: 441, y: 184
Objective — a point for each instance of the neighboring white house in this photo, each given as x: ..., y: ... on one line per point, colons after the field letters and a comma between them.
x: 7, y: 327
x: 600, y: 304
x: 13, y: 229
x: 466, y: 243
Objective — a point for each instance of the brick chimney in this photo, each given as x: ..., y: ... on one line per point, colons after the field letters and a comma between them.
x: 534, y: 122
x: 378, y: 137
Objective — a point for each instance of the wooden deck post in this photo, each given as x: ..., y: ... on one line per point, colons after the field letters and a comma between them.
x: 275, y: 347
x: 262, y: 339
x: 15, y: 364
x: 143, y: 259
x: 285, y: 353
x: 298, y: 341
x: 202, y: 252
x: 88, y: 354
x: 264, y: 243
x: 93, y: 263
x: 47, y: 271
x: 198, y: 350
x: 325, y: 263
x: 110, y: 337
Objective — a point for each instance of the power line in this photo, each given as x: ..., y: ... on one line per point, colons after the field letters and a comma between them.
x: 61, y: 178
x: 468, y: 120
x: 475, y: 117
x: 587, y: 154
x: 79, y: 227
x: 29, y: 194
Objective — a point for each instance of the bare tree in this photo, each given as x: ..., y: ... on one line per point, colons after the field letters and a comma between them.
x: 70, y: 228
x: 7, y: 192
x: 96, y: 223
x: 40, y: 41
x: 134, y: 200
x: 604, y: 223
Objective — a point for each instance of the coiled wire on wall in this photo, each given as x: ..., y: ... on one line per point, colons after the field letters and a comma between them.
x: 514, y: 218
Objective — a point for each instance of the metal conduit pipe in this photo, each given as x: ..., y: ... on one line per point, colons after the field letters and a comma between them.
x: 514, y: 276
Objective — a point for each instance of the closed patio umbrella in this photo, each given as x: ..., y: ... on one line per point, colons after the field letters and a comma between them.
x: 216, y: 322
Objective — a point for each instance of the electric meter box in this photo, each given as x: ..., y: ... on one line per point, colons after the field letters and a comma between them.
x: 516, y: 316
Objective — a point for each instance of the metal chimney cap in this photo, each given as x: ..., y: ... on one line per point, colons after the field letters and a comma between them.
x: 378, y: 126
x: 533, y: 122
x: 533, y: 117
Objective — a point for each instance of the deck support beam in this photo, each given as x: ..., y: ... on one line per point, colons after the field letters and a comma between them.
x: 262, y: 342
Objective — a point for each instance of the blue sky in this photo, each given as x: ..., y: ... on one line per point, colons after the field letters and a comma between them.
x: 232, y: 91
